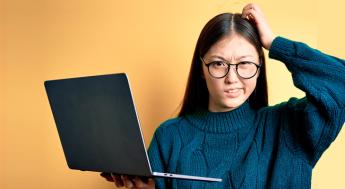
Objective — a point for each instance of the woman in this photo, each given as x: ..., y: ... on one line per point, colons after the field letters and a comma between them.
x: 225, y: 128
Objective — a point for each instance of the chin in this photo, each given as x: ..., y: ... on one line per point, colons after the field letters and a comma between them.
x: 234, y: 104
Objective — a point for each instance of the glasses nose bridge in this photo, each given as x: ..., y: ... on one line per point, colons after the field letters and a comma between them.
x: 229, y: 69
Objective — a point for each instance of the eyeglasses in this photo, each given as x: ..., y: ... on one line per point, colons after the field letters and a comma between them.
x: 220, y: 68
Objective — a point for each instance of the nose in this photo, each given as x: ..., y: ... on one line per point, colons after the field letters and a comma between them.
x: 232, y: 76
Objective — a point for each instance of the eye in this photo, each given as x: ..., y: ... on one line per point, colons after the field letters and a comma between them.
x: 246, y: 64
x: 218, y: 64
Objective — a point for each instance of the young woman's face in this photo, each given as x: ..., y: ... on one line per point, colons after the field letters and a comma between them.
x: 231, y: 91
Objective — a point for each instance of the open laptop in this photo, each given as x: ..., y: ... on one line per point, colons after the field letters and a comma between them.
x: 99, y: 128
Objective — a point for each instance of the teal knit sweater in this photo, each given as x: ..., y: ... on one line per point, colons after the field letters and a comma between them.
x: 274, y: 147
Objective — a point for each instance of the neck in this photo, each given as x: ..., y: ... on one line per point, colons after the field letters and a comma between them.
x: 223, y: 122
x: 216, y: 109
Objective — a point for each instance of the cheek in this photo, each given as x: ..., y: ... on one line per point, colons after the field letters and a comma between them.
x: 250, y: 85
x: 213, y: 85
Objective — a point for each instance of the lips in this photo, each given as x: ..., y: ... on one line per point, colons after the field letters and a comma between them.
x: 233, y: 92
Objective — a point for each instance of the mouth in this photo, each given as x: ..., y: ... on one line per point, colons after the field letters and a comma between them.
x: 232, y: 93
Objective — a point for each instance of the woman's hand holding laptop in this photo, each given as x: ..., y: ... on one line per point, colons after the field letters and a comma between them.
x: 133, y: 182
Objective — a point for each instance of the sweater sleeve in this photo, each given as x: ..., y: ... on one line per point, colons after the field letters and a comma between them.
x: 312, y: 123
x: 158, y: 159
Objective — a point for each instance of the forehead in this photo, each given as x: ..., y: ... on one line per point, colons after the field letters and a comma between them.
x: 232, y: 47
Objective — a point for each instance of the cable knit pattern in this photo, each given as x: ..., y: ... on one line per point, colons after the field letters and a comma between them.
x: 274, y: 147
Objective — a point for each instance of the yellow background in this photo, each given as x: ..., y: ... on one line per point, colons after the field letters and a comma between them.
x: 153, y: 42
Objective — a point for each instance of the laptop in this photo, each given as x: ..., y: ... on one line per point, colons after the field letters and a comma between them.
x: 98, y: 126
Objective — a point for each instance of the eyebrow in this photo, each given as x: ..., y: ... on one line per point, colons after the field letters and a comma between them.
x: 238, y: 58
x: 245, y: 56
x: 216, y: 56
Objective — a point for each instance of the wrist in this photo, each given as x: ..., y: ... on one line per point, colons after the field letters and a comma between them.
x: 269, y: 42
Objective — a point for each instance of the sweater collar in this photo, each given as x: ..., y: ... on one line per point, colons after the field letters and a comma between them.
x: 223, y: 122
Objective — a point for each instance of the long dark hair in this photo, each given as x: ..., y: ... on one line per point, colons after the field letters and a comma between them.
x: 196, y: 95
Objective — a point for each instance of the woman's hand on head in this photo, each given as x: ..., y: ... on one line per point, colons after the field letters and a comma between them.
x: 253, y: 13
x: 133, y: 182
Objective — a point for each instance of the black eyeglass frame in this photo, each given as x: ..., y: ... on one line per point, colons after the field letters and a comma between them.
x: 258, y: 66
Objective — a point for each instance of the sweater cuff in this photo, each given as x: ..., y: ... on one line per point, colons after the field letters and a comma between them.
x: 281, y: 48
